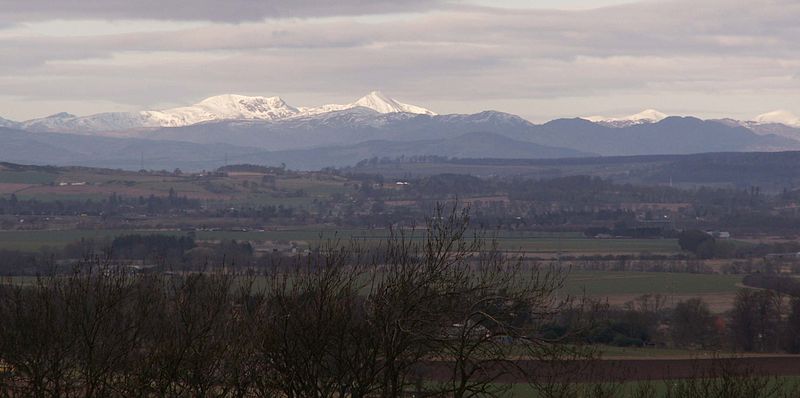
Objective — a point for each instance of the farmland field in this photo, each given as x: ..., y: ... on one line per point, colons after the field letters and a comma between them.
x: 599, y: 283
x: 27, y: 177
x: 241, y: 189
x: 617, y: 288
x: 529, y: 243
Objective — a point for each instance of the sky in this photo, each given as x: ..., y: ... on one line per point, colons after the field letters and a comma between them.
x: 540, y: 59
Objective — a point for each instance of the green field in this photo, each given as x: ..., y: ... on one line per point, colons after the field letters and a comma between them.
x: 529, y: 242
x: 52, y: 197
x: 27, y: 177
x: 583, y: 245
x: 603, y: 283
x: 564, y: 242
x: 236, y: 189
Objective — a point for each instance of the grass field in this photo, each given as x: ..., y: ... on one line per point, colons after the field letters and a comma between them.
x: 601, y: 283
x: 583, y: 245
x: 34, y: 240
x: 248, y: 189
x: 529, y: 243
x: 617, y: 288
x: 27, y: 177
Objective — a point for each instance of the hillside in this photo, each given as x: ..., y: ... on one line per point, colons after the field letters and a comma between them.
x: 134, y: 153
x: 772, y: 171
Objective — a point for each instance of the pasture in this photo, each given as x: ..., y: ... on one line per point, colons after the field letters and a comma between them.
x: 78, y: 183
x: 717, y: 290
x: 599, y: 283
x: 531, y: 243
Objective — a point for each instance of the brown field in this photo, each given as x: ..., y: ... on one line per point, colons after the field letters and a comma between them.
x: 122, y: 190
x: 10, y: 187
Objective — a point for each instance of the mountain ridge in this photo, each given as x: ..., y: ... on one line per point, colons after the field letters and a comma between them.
x: 230, y: 107
x: 63, y: 149
x: 215, y: 108
x: 246, y: 124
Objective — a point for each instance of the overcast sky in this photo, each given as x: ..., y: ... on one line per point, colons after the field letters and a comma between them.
x: 540, y: 59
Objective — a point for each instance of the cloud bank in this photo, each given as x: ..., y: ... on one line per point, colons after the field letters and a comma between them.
x: 203, y: 10
x: 712, y: 58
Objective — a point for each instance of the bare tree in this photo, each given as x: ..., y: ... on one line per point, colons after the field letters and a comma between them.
x: 348, y: 321
x: 755, y: 320
x: 35, y: 341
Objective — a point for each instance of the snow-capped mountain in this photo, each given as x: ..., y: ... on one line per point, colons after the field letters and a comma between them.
x: 66, y: 122
x: 217, y: 108
x: 270, y: 124
x: 375, y: 101
x: 223, y: 107
x: 382, y: 104
x: 781, y: 123
x: 779, y: 117
x: 8, y: 123
x: 266, y: 129
x: 643, y: 117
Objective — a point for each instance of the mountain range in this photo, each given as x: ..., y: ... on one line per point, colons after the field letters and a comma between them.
x: 267, y: 130
x: 221, y: 107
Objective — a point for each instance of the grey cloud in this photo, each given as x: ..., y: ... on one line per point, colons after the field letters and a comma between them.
x: 202, y: 10
x: 667, y: 48
x: 654, y: 29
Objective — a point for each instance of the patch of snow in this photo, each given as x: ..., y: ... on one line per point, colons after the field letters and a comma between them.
x: 778, y: 117
x: 223, y: 107
x: 375, y: 100
x: 217, y: 108
x: 643, y: 117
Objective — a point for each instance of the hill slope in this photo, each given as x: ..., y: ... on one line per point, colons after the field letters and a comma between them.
x: 129, y: 153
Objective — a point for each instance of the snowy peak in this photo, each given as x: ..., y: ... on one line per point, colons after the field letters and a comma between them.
x: 216, y: 108
x: 223, y: 107
x: 643, y: 117
x: 649, y: 115
x: 375, y: 101
x: 781, y: 123
x: 778, y: 117
x: 8, y: 123
x: 383, y: 104
x: 60, y: 115
x: 243, y: 103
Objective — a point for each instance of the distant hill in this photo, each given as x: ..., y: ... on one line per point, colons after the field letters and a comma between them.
x: 61, y: 149
x: 129, y: 153
x: 268, y: 131
x: 673, y: 135
x: 771, y: 171
x: 467, y: 145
